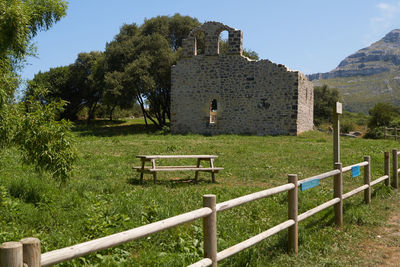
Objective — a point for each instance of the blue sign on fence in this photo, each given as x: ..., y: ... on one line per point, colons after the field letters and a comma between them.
x: 355, y: 171
x: 309, y: 184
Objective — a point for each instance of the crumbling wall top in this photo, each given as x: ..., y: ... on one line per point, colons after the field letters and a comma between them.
x: 212, y: 31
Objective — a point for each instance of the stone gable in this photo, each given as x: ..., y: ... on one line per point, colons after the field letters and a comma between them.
x: 228, y: 93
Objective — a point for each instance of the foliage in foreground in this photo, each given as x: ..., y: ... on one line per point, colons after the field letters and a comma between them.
x: 31, y: 125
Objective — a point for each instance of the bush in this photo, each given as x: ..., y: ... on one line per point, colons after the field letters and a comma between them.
x: 324, y: 99
x: 375, y: 133
x: 347, y: 126
x: 382, y: 114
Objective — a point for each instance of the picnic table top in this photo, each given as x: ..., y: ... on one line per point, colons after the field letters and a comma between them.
x: 176, y: 156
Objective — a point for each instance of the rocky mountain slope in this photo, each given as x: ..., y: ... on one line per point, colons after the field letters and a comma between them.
x: 369, y: 76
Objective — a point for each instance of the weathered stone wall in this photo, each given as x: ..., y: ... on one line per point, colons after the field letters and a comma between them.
x: 253, y: 97
x: 305, y: 115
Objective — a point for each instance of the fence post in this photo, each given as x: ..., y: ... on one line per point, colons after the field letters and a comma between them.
x: 293, y: 246
x: 394, y: 169
x: 11, y: 254
x: 387, y: 168
x: 210, y: 229
x: 31, y: 251
x: 367, y: 180
x: 337, y: 192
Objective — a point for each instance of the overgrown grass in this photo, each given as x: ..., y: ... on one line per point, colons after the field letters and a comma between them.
x: 104, y: 197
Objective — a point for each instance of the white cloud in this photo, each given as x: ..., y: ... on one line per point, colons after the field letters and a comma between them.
x: 383, y: 6
x: 387, y: 12
x: 384, y: 21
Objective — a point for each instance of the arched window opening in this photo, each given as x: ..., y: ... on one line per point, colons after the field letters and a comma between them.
x: 223, y: 42
x: 213, y: 111
x: 200, y: 42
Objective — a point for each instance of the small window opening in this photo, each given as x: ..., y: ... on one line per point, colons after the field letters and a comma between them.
x: 213, y: 111
x: 223, y: 42
x: 200, y: 42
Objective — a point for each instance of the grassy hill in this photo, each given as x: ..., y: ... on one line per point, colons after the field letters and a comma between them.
x: 104, y: 197
x: 368, y: 76
x: 360, y: 93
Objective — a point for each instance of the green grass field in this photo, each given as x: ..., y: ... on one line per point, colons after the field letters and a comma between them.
x: 104, y: 197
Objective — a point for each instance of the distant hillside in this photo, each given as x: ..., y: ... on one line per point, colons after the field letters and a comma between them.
x: 368, y: 76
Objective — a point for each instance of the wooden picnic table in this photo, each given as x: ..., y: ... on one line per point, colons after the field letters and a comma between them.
x: 154, y: 168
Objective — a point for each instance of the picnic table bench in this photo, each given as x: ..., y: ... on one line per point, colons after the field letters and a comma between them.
x: 154, y: 168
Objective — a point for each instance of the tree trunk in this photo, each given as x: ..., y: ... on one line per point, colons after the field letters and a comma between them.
x: 140, y: 100
x: 112, y: 112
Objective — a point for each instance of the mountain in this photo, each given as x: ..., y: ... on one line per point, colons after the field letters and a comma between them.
x: 368, y: 76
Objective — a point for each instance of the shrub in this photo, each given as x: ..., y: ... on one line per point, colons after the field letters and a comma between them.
x: 347, y: 126
x: 382, y: 114
x: 375, y: 133
x: 324, y: 99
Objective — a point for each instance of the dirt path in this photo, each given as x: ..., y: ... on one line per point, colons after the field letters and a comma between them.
x: 383, y: 246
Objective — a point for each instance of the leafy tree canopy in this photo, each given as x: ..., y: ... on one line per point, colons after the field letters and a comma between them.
x: 139, y: 60
x: 324, y: 100
x: 382, y: 114
x: 30, y: 125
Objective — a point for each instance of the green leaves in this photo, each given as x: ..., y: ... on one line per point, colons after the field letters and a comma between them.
x: 382, y: 114
x: 43, y: 141
x: 31, y: 125
x: 324, y: 99
x: 21, y: 20
x: 140, y: 59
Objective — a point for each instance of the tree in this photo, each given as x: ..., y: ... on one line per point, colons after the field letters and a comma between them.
x: 382, y: 114
x: 141, y: 59
x: 30, y: 125
x: 58, y: 84
x: 87, y: 79
x: 119, y: 53
x: 324, y: 99
x: 80, y: 84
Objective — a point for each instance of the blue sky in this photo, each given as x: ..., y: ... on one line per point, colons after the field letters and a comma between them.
x: 306, y: 35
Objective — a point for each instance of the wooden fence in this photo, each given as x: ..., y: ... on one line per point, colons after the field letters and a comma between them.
x: 27, y: 251
x: 391, y: 130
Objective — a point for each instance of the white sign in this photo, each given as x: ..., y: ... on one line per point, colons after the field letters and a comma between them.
x: 338, y: 108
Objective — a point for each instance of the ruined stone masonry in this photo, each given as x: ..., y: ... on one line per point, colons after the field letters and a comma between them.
x: 228, y: 93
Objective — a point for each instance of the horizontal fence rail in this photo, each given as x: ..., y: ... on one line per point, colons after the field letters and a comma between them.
x: 319, y: 176
x: 64, y: 254
x: 393, y: 130
x: 361, y: 164
x: 28, y: 250
x: 255, y: 196
x: 317, y: 209
x: 253, y: 240
x: 355, y: 191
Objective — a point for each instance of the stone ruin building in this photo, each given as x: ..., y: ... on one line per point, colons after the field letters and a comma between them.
x: 229, y: 93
